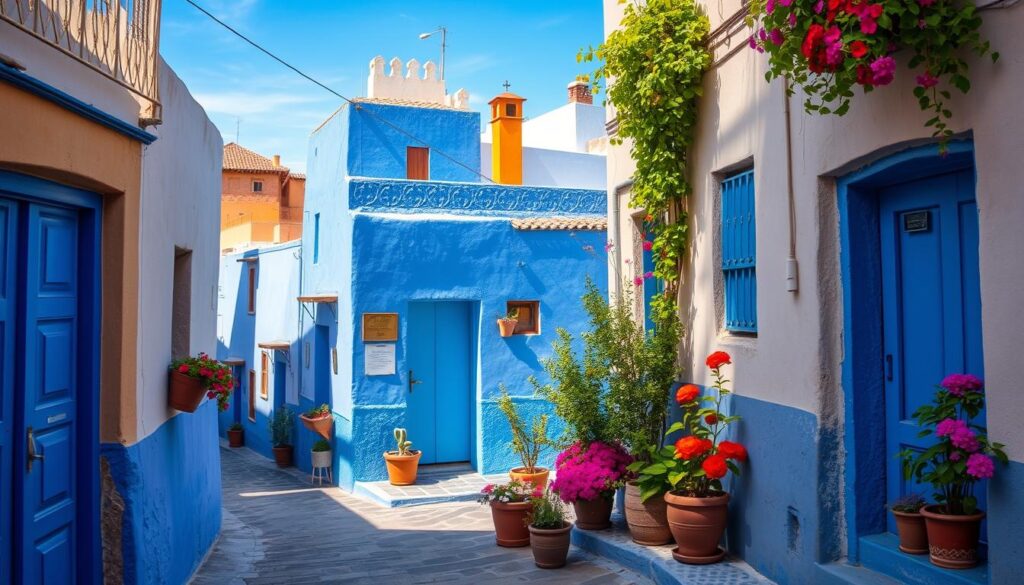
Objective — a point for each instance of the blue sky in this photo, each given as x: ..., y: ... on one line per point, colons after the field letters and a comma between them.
x: 532, y: 44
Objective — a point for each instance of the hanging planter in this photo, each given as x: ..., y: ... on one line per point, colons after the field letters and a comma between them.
x: 319, y: 420
x: 190, y: 378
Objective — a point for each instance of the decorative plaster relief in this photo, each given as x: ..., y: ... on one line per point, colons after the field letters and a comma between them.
x: 370, y: 194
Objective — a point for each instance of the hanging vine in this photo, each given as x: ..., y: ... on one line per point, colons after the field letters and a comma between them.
x: 657, y: 60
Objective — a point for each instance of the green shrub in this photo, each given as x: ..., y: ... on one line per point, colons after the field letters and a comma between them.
x: 281, y: 424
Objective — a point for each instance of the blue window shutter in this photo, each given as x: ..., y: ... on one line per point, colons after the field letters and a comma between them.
x: 739, y: 257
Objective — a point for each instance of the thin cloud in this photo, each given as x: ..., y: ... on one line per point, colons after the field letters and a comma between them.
x: 469, y: 64
x: 248, y: 104
x: 554, y: 21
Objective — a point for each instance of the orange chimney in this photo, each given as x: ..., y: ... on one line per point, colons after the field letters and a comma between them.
x: 277, y: 160
x: 507, y: 137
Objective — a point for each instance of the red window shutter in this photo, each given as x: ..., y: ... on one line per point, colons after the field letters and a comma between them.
x: 417, y: 165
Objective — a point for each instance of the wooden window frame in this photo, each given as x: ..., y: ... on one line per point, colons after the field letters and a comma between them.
x: 264, y: 376
x: 252, y: 290
x: 531, y: 326
x: 412, y: 153
x: 252, y: 395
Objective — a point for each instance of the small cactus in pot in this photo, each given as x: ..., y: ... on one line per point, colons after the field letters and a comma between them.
x: 403, y: 462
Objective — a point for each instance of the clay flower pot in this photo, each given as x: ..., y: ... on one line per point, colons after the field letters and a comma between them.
x: 593, y: 514
x: 506, y: 327
x: 184, y: 392
x: 538, y: 479
x: 697, y: 524
x: 647, y: 521
x: 402, y: 468
x: 952, y: 540
x: 283, y: 456
x: 913, y: 536
x: 321, y: 425
x: 510, y: 523
x: 550, y: 545
x: 236, y: 438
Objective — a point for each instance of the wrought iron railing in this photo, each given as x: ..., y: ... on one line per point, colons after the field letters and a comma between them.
x: 118, y: 38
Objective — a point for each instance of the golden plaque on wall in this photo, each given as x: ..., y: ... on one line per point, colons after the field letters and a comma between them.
x: 380, y: 327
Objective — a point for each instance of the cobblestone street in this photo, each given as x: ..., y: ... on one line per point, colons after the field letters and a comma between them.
x: 279, y: 529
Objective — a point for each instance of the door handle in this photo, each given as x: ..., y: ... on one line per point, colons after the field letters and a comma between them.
x: 33, y: 454
x: 888, y: 367
x: 413, y: 381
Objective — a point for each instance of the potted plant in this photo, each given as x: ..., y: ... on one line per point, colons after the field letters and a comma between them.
x: 910, y: 524
x: 236, y: 435
x: 961, y: 457
x: 192, y: 377
x: 587, y: 477
x: 281, y: 425
x: 527, y: 444
x: 549, y: 532
x: 321, y: 453
x: 694, y: 467
x: 319, y: 420
x: 403, y: 462
x: 510, y: 509
x: 507, y: 324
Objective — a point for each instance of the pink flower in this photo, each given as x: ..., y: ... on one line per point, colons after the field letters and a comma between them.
x: 926, y: 2
x: 819, y: 6
x: 769, y: 6
x: 638, y: 281
x: 959, y: 384
x: 609, y: 246
x: 487, y: 489
x: 648, y: 274
x: 792, y: 19
x: 752, y: 41
x: 882, y: 70
x: 955, y: 456
x: 980, y: 466
x: 775, y: 36
x: 949, y: 427
x: 965, y: 439
x: 833, y: 46
x: 648, y: 246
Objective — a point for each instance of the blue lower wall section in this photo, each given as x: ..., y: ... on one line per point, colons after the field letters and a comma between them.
x: 495, y: 449
x: 1005, y: 519
x: 170, y: 483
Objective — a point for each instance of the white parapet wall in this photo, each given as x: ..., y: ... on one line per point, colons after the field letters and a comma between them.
x: 404, y: 81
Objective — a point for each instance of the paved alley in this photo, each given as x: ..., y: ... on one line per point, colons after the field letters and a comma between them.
x: 277, y: 529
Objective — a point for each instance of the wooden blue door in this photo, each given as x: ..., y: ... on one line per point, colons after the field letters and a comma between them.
x: 8, y: 332
x: 439, y: 384
x: 931, y: 304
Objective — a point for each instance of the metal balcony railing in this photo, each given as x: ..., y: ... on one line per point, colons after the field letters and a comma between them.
x: 118, y: 38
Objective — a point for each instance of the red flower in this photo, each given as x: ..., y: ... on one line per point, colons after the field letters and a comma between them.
x: 711, y: 418
x: 715, y: 467
x: 864, y: 75
x: 183, y: 368
x: 815, y: 37
x: 718, y: 359
x: 731, y: 450
x: 858, y: 49
x: 687, y: 393
x: 689, y: 447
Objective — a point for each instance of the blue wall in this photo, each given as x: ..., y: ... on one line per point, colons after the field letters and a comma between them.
x: 170, y: 483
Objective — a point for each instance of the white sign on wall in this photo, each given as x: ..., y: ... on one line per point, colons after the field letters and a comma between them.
x: 379, y: 359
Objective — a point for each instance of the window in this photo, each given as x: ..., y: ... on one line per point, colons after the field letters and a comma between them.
x: 739, y: 257
x: 252, y: 395
x: 417, y: 163
x: 257, y: 186
x: 264, y: 376
x: 316, y: 239
x: 510, y: 110
x: 528, y: 318
x: 252, y: 289
x: 181, y: 303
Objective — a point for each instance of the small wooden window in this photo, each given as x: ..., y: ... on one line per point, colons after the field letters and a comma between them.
x: 510, y: 110
x: 265, y: 377
x: 252, y: 395
x: 417, y: 163
x: 257, y: 186
x: 181, y: 303
x: 252, y: 290
x: 528, y: 318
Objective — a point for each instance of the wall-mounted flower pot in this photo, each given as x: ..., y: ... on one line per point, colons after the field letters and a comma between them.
x: 952, y: 540
x: 184, y: 392
x: 550, y: 545
x: 697, y: 525
x: 647, y: 521
x: 322, y: 459
x: 283, y: 456
x: 510, y: 523
x: 593, y: 514
x: 913, y: 535
x: 402, y: 468
x: 236, y: 438
x: 539, y: 478
x: 506, y: 327
x: 321, y: 425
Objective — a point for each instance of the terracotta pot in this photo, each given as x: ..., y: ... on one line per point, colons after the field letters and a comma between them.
x: 506, y: 327
x: 510, y: 523
x: 323, y: 459
x: 593, y: 514
x: 550, y: 545
x: 184, y: 393
x: 236, y: 438
x: 402, y: 468
x: 647, y: 521
x: 321, y: 426
x: 539, y: 478
x: 697, y: 524
x: 913, y: 537
x: 952, y: 540
x: 283, y: 456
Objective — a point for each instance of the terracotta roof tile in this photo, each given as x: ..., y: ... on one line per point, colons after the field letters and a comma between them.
x: 404, y: 102
x: 590, y: 223
x: 239, y: 158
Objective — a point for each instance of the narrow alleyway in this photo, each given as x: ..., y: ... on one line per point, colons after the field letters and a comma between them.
x: 278, y: 529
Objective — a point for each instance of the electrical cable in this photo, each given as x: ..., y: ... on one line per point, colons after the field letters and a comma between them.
x: 354, y: 104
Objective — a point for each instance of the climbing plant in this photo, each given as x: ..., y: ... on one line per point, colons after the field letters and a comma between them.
x: 657, y: 60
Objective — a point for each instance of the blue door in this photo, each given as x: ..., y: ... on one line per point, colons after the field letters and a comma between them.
x: 8, y: 311
x: 439, y: 384
x: 931, y: 304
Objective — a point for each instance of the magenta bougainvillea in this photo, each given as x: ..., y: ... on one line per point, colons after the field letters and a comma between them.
x: 589, y: 472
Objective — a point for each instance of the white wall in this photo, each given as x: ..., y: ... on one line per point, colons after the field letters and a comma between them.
x: 181, y: 178
x: 555, y: 168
